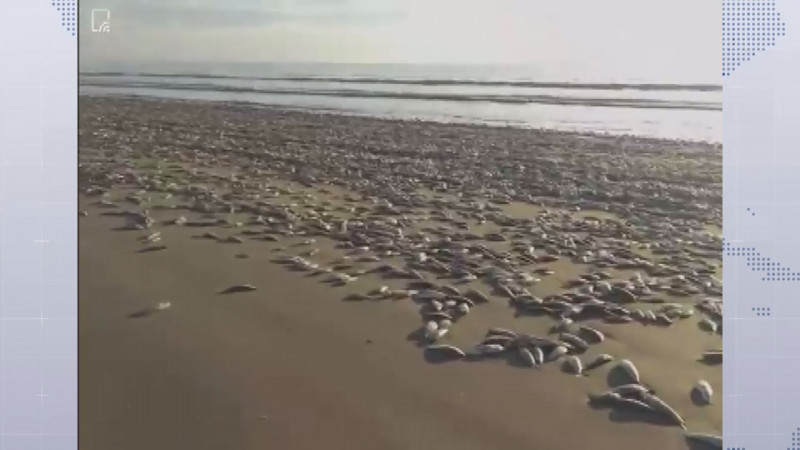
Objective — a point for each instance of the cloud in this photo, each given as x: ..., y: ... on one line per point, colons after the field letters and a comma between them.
x: 650, y: 39
x: 206, y: 14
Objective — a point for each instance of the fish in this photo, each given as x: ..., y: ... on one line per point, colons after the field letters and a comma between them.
x: 527, y: 357
x: 564, y: 324
x: 607, y: 397
x: 703, y: 391
x: 578, y: 343
x: 501, y: 331
x: 634, y: 404
x: 446, y: 350
x: 438, y: 334
x: 498, y: 339
x: 437, y: 315
x: 713, y: 442
x: 477, y: 296
x: 627, y: 367
x: 573, y: 365
x: 596, y: 336
x: 430, y: 329
x: 239, y: 288
x: 538, y: 355
x: 599, y: 361
x: 450, y: 290
x: 708, y: 325
x: 490, y: 349
x: 557, y: 352
x: 629, y: 390
x: 662, y: 407
x: 712, y: 357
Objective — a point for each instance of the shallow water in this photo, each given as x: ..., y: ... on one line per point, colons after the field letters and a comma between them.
x: 515, y: 97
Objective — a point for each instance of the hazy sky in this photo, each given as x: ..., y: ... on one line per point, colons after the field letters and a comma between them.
x: 676, y: 37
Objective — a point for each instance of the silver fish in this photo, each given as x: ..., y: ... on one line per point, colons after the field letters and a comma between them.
x: 630, y: 370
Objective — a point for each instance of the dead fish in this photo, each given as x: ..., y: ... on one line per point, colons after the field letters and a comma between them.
x: 498, y: 339
x: 713, y: 442
x: 398, y: 294
x: 430, y: 329
x: 463, y: 308
x: 595, y: 335
x: 450, y: 290
x: 538, y: 355
x: 438, y: 334
x: 446, y: 350
x: 210, y: 235
x: 477, y: 296
x: 633, y: 404
x: 712, y: 357
x: 233, y: 240
x: 152, y: 237
x: 383, y: 290
x: 527, y: 357
x: 708, y: 325
x: 501, y: 331
x: 599, y: 361
x: 604, y: 398
x: 572, y: 364
x: 239, y: 288
x: 578, y: 343
x: 557, y: 352
x: 663, y: 319
x: 628, y: 390
x: 564, y: 324
x: 662, y: 407
x: 153, y: 248
x: 437, y: 315
x: 703, y: 392
x: 490, y: 349
x: 614, y: 318
x: 627, y: 367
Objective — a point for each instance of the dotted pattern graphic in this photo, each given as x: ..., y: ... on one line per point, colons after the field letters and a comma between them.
x: 748, y: 27
x: 69, y: 14
x: 763, y: 312
x: 795, y: 440
x: 752, y: 213
x: 772, y: 270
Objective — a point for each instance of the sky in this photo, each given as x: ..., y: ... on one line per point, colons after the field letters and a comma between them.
x: 676, y: 39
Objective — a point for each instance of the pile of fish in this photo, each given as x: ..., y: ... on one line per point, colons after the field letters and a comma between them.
x: 429, y: 204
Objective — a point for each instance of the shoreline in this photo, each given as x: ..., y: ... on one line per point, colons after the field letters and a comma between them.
x: 714, y: 145
x: 285, y: 201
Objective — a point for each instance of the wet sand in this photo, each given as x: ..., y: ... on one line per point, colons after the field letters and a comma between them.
x: 294, y: 365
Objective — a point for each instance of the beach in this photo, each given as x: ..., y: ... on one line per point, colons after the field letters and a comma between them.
x: 234, y: 294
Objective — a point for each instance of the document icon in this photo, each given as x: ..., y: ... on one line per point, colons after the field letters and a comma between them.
x: 101, y: 21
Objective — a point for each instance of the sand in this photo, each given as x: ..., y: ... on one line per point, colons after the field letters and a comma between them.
x: 293, y: 365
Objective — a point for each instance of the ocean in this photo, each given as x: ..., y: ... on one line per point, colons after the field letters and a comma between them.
x: 494, y: 95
